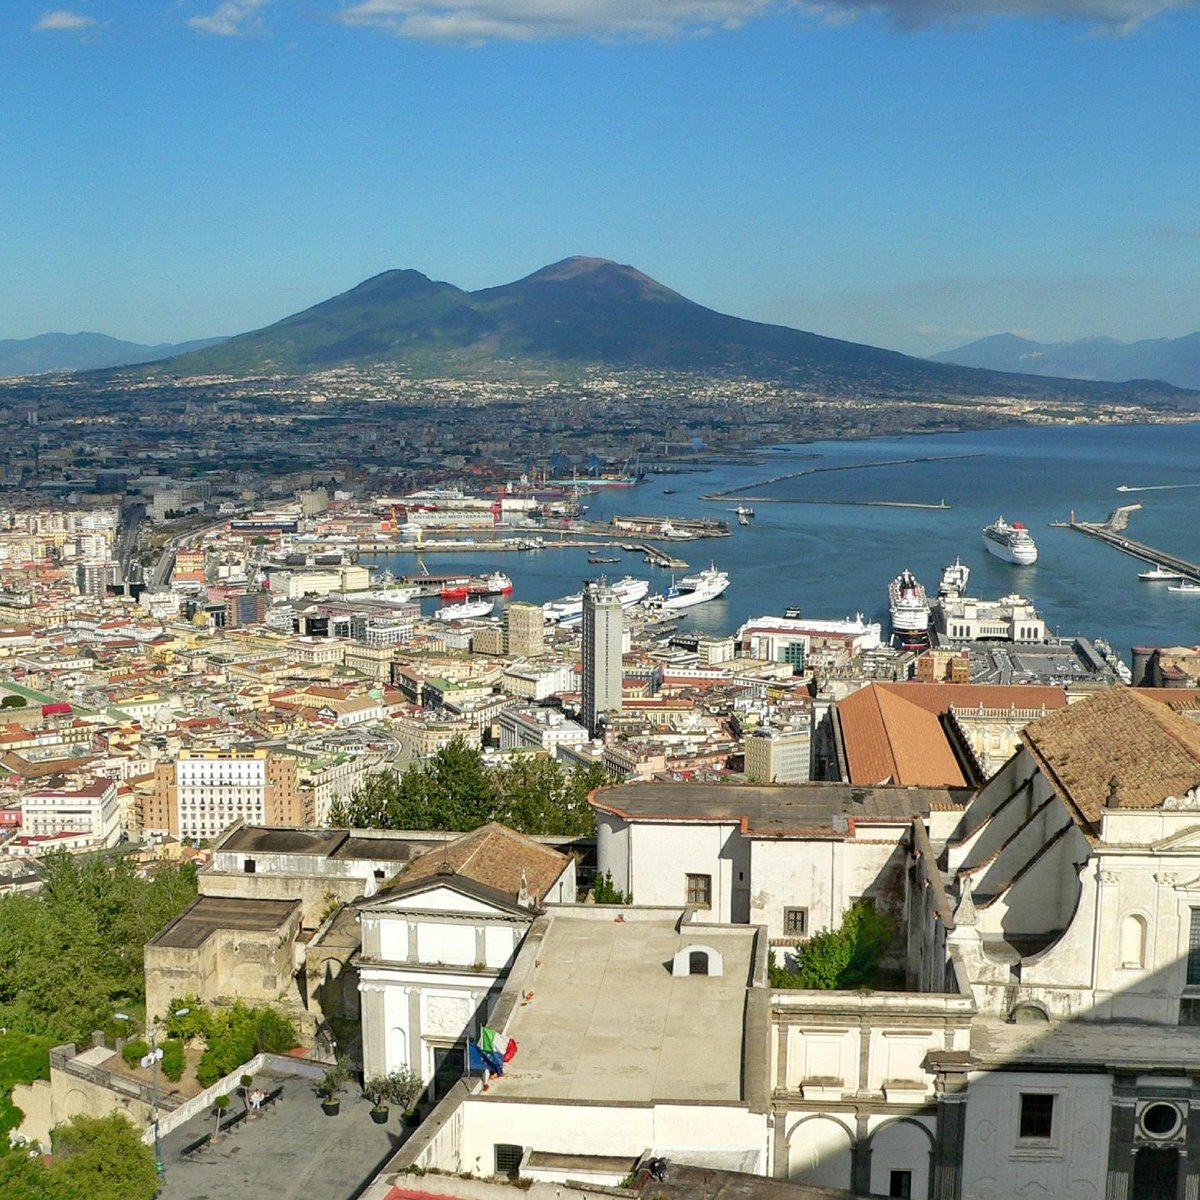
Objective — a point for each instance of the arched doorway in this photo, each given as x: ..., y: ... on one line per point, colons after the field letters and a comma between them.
x: 1155, y: 1173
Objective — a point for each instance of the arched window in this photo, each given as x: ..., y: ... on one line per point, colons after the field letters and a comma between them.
x: 1133, y: 941
x: 698, y: 962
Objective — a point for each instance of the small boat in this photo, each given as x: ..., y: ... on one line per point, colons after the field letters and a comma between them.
x: 1158, y: 575
x: 596, y: 558
x: 745, y: 514
x: 668, y: 491
x: 1184, y: 587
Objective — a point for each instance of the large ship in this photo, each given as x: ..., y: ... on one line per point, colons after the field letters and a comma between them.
x: 694, y: 589
x: 569, y: 609
x: 954, y: 579
x: 909, y: 609
x: 467, y: 610
x: 1012, y: 543
x: 494, y: 584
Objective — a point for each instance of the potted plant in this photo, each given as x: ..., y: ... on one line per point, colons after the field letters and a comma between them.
x: 245, y: 1084
x: 378, y: 1090
x: 404, y: 1086
x: 330, y: 1087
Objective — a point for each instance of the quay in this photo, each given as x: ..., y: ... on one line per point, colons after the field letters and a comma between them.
x: 1112, y: 532
x: 821, y: 500
x: 729, y: 493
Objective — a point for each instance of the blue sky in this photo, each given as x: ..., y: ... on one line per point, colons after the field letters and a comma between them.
x: 911, y: 173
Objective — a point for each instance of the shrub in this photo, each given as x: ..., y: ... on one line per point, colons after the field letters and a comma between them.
x: 173, y: 1059
x: 840, y: 958
x: 606, y: 893
x: 134, y: 1051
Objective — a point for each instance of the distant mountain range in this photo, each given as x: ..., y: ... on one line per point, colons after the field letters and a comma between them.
x: 1174, y: 360
x: 83, y: 352
x: 590, y: 312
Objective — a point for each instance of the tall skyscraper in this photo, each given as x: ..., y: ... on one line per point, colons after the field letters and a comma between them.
x: 603, y: 625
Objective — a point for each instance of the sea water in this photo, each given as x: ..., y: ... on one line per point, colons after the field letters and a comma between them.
x: 834, y: 560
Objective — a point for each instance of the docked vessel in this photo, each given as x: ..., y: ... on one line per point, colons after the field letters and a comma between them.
x: 569, y: 609
x: 467, y: 610
x: 393, y: 595
x: 694, y: 589
x: 494, y: 584
x: 909, y: 609
x: 1191, y: 588
x: 1012, y: 543
x: 954, y: 579
x: 1158, y: 575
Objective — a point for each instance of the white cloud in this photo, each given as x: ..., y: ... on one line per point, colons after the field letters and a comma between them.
x: 530, y: 20
x: 1111, y: 16
x: 61, y: 20
x: 230, y: 18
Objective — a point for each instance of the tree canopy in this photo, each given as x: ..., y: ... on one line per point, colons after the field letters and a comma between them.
x: 231, y: 1036
x: 846, y: 957
x: 455, y: 790
x: 72, y: 953
x: 101, y: 1158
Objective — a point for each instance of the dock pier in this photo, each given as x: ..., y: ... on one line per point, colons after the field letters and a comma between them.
x: 1112, y: 531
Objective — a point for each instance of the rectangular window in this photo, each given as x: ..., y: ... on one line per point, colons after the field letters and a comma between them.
x: 508, y: 1159
x: 1189, y: 1011
x: 900, y: 1184
x: 248, y: 866
x: 699, y: 890
x: 795, y: 920
x: 1037, y: 1116
x: 1193, y: 960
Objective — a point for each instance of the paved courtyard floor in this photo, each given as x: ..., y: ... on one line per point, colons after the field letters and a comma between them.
x: 292, y: 1150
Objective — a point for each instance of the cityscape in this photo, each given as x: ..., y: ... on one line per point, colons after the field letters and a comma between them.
x: 560, y: 736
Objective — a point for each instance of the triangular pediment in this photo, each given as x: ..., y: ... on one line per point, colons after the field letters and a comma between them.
x: 437, y: 896
x: 1181, y: 840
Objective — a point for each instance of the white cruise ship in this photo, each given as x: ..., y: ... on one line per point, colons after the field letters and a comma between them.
x: 909, y: 609
x: 954, y: 579
x: 694, y: 589
x: 465, y: 611
x: 569, y: 609
x: 1012, y: 543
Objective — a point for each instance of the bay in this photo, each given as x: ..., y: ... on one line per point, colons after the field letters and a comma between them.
x: 834, y: 560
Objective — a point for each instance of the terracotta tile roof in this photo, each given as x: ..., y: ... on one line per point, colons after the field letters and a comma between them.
x: 888, y: 739
x: 1148, y: 748
x: 494, y: 856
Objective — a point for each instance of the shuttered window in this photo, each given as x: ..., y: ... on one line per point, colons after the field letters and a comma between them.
x: 1193, y: 964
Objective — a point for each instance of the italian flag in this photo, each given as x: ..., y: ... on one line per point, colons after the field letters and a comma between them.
x: 491, y: 1042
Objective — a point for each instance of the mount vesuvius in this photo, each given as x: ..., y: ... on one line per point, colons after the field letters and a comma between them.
x: 584, y: 312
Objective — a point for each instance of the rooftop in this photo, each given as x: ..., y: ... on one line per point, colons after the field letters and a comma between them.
x: 607, y: 1021
x: 777, y: 809
x: 292, y: 1150
x: 1116, y: 743
x: 207, y: 915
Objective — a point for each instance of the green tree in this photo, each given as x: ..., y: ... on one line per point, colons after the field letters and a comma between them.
x: 11, y: 701
x: 101, y: 1158
x: 845, y: 957
x: 74, y: 952
x: 455, y: 790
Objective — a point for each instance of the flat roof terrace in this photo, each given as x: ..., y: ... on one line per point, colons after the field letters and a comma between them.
x: 606, y: 1021
x: 207, y: 915
x: 291, y: 1152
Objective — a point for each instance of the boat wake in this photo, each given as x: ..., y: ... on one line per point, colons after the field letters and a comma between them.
x: 1156, y: 487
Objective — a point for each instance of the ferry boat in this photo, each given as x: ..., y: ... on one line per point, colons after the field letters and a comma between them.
x: 1012, y: 543
x: 909, y: 609
x: 694, y: 589
x: 670, y: 532
x: 1158, y: 575
x: 745, y: 514
x: 495, y: 584
x: 954, y: 579
x: 569, y: 609
x: 465, y: 611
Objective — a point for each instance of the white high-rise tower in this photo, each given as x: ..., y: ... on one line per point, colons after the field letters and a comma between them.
x: 603, y: 626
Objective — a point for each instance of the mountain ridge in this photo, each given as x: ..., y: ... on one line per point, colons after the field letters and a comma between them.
x: 86, y: 351
x: 1172, y: 360
x: 577, y: 313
